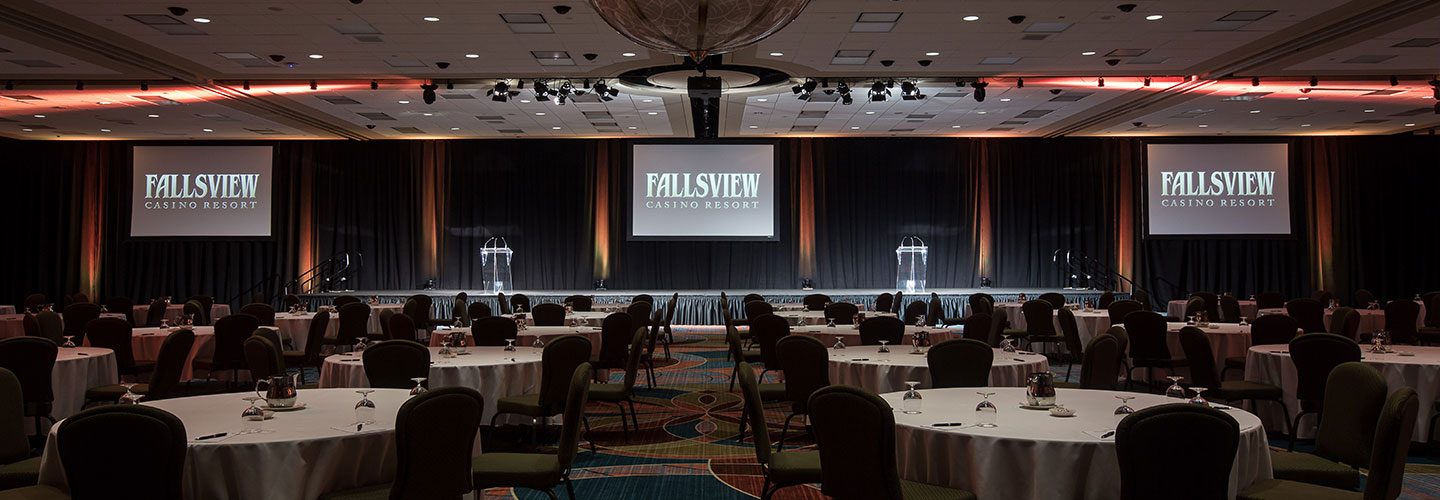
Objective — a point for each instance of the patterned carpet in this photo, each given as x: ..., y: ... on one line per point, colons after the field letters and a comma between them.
x: 687, y: 446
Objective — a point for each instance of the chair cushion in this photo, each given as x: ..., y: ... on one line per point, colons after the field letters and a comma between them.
x: 381, y: 492
x: 1244, y: 389
x: 1276, y: 489
x: 1307, y: 468
x: 772, y: 392
x: 1068, y: 385
x: 1235, y: 362
x: 610, y: 393
x: 911, y: 490
x: 34, y: 493
x: 525, y: 470
x: 111, y: 393
x: 795, y: 467
x: 527, y: 405
x: 20, y: 474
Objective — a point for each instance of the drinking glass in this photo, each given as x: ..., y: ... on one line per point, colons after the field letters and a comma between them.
x: 1198, y: 399
x: 419, y: 386
x: 164, y: 322
x: 1007, y: 344
x: 365, y: 408
x: 129, y: 398
x: 1124, y: 410
x: 920, y: 322
x: 830, y: 322
x: 910, y: 402
x: 460, y: 344
x: 839, y: 343
x: 69, y: 341
x: 510, y: 344
x: 1191, y: 320
x: 985, y: 412
x: 253, y: 418
x: 1175, y: 390
x: 883, y: 348
x: 1244, y: 321
x: 537, y: 343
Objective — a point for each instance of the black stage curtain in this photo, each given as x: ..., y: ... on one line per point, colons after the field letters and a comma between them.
x: 366, y: 202
x: 40, y: 209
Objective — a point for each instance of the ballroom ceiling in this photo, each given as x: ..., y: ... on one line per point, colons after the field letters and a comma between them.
x: 76, y: 69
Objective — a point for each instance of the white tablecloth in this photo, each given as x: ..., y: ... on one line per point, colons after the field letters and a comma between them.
x: 147, y: 341
x: 887, y: 372
x: 851, y: 336
x: 7, y: 309
x: 298, y: 456
x: 1271, y: 364
x: 526, y: 337
x: 296, y: 327
x: 818, y: 317
x: 585, y: 318
x: 1226, y: 340
x: 1032, y: 455
x: 1370, y: 319
x: 76, y: 370
x: 174, y: 311
x: 492, y: 371
x: 12, y: 325
x: 1176, y: 308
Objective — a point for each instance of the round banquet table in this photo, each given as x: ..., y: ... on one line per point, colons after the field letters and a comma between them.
x: 800, y: 317
x: 12, y: 325
x: 1176, y: 308
x: 886, y: 372
x: 526, y: 337
x: 851, y: 336
x: 76, y: 370
x: 586, y: 318
x: 1032, y: 455
x: 1370, y: 319
x: 1226, y: 340
x: 7, y: 309
x: 146, y: 343
x: 173, y: 312
x: 297, y: 456
x: 492, y: 371
x: 296, y: 327
x: 1413, y: 366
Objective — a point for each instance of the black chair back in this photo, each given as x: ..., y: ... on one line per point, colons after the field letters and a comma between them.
x: 982, y: 303
x: 344, y: 299
x: 1269, y: 300
x: 767, y: 330
x: 758, y: 308
x: 493, y: 330
x: 114, y: 334
x: 1212, y: 304
x: 1154, y: 442
x: 856, y: 433
x: 1195, y: 306
x: 1273, y: 329
x: 914, y: 311
x: 262, y: 313
x: 884, y: 301
x: 31, y: 325
x: 459, y: 310
x: 1363, y: 298
x: 1310, y: 313
x: 434, y: 439
x: 32, y: 360
x: 88, y: 441
x: 122, y: 305
x: 998, y: 323
x: 580, y: 303
x: 1345, y: 322
x: 170, y: 365
x: 479, y: 310
x: 558, y: 362
x: 1100, y: 367
x: 77, y: 316
x: 52, y: 326
x: 207, y: 303
x: 316, y: 335
x: 750, y: 297
x: 385, y: 316
x: 887, y: 328
x: 1401, y: 317
x: 418, y: 308
x: 504, y: 303
x: 977, y: 327
x: 1056, y: 300
x: 401, y: 327
x: 230, y: 334
x: 842, y: 312
x: 1432, y: 309
x: 1323, y: 297
x: 1143, y: 297
x: 574, y: 408
x: 640, y: 313
x: 644, y: 297
x: 1122, y: 339
x: 520, y: 302
x: 754, y: 411
x: 898, y: 303
x: 34, y: 301
x: 263, y: 358
x: 1315, y: 355
x: 197, y: 313
x: 1070, y: 329
x: 1229, y: 309
x: 14, y: 446
x: 807, y: 368
x: 1392, y: 444
x: 1106, y: 298
x: 1039, y: 317
x: 1147, y: 335
x: 155, y: 313
x: 816, y: 301
x: 548, y: 315
x: 935, y: 311
x: 292, y: 300
x: 392, y: 363
x: 1356, y: 393
x: 615, y: 333
x: 1198, y: 351
x: 354, y: 321
x: 960, y: 363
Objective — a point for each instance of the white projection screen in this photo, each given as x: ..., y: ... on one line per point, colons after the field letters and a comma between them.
x: 1218, y: 189
x: 702, y: 192
x: 201, y: 192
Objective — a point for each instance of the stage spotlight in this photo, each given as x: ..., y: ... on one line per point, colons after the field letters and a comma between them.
x: 449, y: 85
x: 9, y: 85
x: 909, y: 91
x: 1102, y: 81
x: 606, y: 92
x: 979, y: 90
x: 79, y: 85
x: 1394, y: 81
x: 1147, y: 81
x: 144, y: 86
x: 246, y: 85
x: 541, y: 91
x: 846, y: 99
x: 374, y: 85
x: 1254, y: 81
x: 501, y: 92
x: 312, y: 85
x: 797, y: 89
x: 428, y: 94
x: 1019, y: 83
x: 810, y: 86
x: 1435, y: 84
x: 878, y: 92
x: 1314, y: 82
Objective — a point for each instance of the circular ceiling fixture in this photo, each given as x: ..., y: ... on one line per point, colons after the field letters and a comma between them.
x: 697, y: 29
x: 672, y: 79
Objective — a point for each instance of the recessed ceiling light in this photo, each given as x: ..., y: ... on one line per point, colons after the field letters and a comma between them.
x: 632, y: 128
x: 1253, y: 111
x: 525, y: 101
x: 429, y: 114
x: 1369, y: 111
x: 647, y: 100
x: 403, y: 102
x: 1004, y: 99
x: 754, y: 126
x: 102, y: 103
x: 154, y: 116
x: 206, y: 130
x: 1154, y: 17
x: 554, y: 128
x: 932, y: 53
x: 776, y: 54
x: 1302, y: 98
x: 454, y: 128
x: 869, y: 112
x: 971, y: 18
x: 981, y: 112
x: 652, y: 113
x: 107, y: 130
x: 1409, y: 124
x: 432, y: 19
x: 201, y: 20
x: 1204, y: 126
x: 1304, y: 124
x: 39, y: 116
x: 854, y: 128
x: 26, y: 130
x: 539, y: 113
x: 1088, y: 53
x: 317, y: 56
x: 762, y: 99
x: 472, y: 56
x: 627, y: 54
x: 954, y: 126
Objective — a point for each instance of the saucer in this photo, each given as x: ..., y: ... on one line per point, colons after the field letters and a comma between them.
x: 1024, y: 406
x: 297, y: 407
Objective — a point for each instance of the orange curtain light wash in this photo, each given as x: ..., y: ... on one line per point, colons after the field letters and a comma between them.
x: 1125, y: 214
x: 602, y: 209
x: 434, y: 170
x: 91, y: 190
x: 805, y: 208
x: 1319, y: 216
x: 982, y: 231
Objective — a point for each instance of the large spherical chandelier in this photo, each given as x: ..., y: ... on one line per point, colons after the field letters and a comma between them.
x: 697, y: 28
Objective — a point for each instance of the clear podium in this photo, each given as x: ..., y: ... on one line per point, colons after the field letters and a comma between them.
x: 910, y: 258
x: 495, y: 265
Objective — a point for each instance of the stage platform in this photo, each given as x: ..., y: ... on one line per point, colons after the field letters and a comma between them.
x: 701, y: 307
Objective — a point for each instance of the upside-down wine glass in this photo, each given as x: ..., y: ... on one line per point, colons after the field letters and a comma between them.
x: 129, y: 398
x: 910, y: 402
x: 365, y: 408
x: 253, y: 418
x: 1175, y: 390
x: 69, y: 341
x: 1199, y: 399
x: 985, y: 412
x: 419, y: 386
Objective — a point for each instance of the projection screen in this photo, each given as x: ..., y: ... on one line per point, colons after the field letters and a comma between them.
x: 1218, y: 189
x: 201, y: 191
x: 702, y: 192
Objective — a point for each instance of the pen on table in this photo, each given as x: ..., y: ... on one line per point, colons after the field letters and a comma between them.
x: 859, y: 359
x: 212, y: 436
x: 947, y: 424
x: 1018, y: 359
x: 358, y: 427
x: 1107, y: 434
x: 82, y: 354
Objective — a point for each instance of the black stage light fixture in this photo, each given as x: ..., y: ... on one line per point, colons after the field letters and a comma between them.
x: 144, y: 86
x: 1147, y: 81
x: 374, y: 85
x: 846, y: 99
x: 245, y: 85
x: 796, y: 89
x: 1102, y: 81
x: 1314, y: 82
x: 79, y: 85
x: 1394, y: 81
x: 909, y: 91
x: 606, y: 92
x: 979, y: 90
x: 1019, y: 83
x: 1254, y: 81
x: 9, y: 85
x: 878, y: 92
x: 449, y: 85
x: 312, y: 85
x: 541, y: 91
x: 501, y: 92
x: 428, y: 94
x: 810, y: 86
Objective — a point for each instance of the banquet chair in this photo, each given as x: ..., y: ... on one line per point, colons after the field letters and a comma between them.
x: 644, y: 297
x: 807, y: 369
x: 1070, y: 331
x: 897, y: 304
x: 122, y: 305
x: 960, y: 363
x: 751, y: 297
x: 977, y: 327
x: 273, y: 335
x: 385, y: 316
x: 1269, y: 300
x: 155, y: 313
x: 1363, y: 298
x: 164, y: 382
x: 815, y: 301
x: 914, y: 312
x: 539, y: 471
x: 580, y: 303
x: 503, y: 303
x: 998, y: 323
x: 1323, y: 297
x: 1122, y: 341
x: 935, y: 311
x: 622, y: 392
x: 314, y: 339
x: 1106, y: 298
x: 77, y: 316
x: 459, y: 310
x: 207, y: 303
x: 757, y: 308
x: 669, y: 335
x: 1149, y: 345
x: 780, y: 469
x: 855, y: 432
x: 1310, y: 313
x: 887, y: 328
x: 392, y: 363
x: 1229, y: 309
x: 354, y: 321
x: 768, y: 329
x: 32, y: 360
x: 1345, y: 322
x: 34, y: 301
x: 737, y: 353
x: 615, y: 333
x: 1315, y: 356
x: 196, y: 311
x: 884, y: 301
x: 262, y: 358
x: 292, y: 300
x: 88, y: 442
x: 230, y: 334
x: 640, y: 313
x: 1387, y: 459
x: 1430, y: 332
x: 1152, y: 443
x: 344, y: 299
x: 477, y: 310
x: 1056, y: 299
x: 1265, y: 330
x: 981, y: 303
x: 1202, y: 373
x: 1401, y: 317
x: 418, y: 307
x: 520, y: 303
x: 548, y: 315
x: 1194, y: 306
x: 1141, y: 296
x: 1039, y: 324
x: 558, y: 360
x: 1212, y: 304
x: 31, y: 325
x: 434, y: 444
x: 115, y: 334
x: 17, y: 467
x: 263, y: 313
x: 493, y: 330
x: 1100, y: 367
x: 843, y: 313
x: 1356, y: 393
